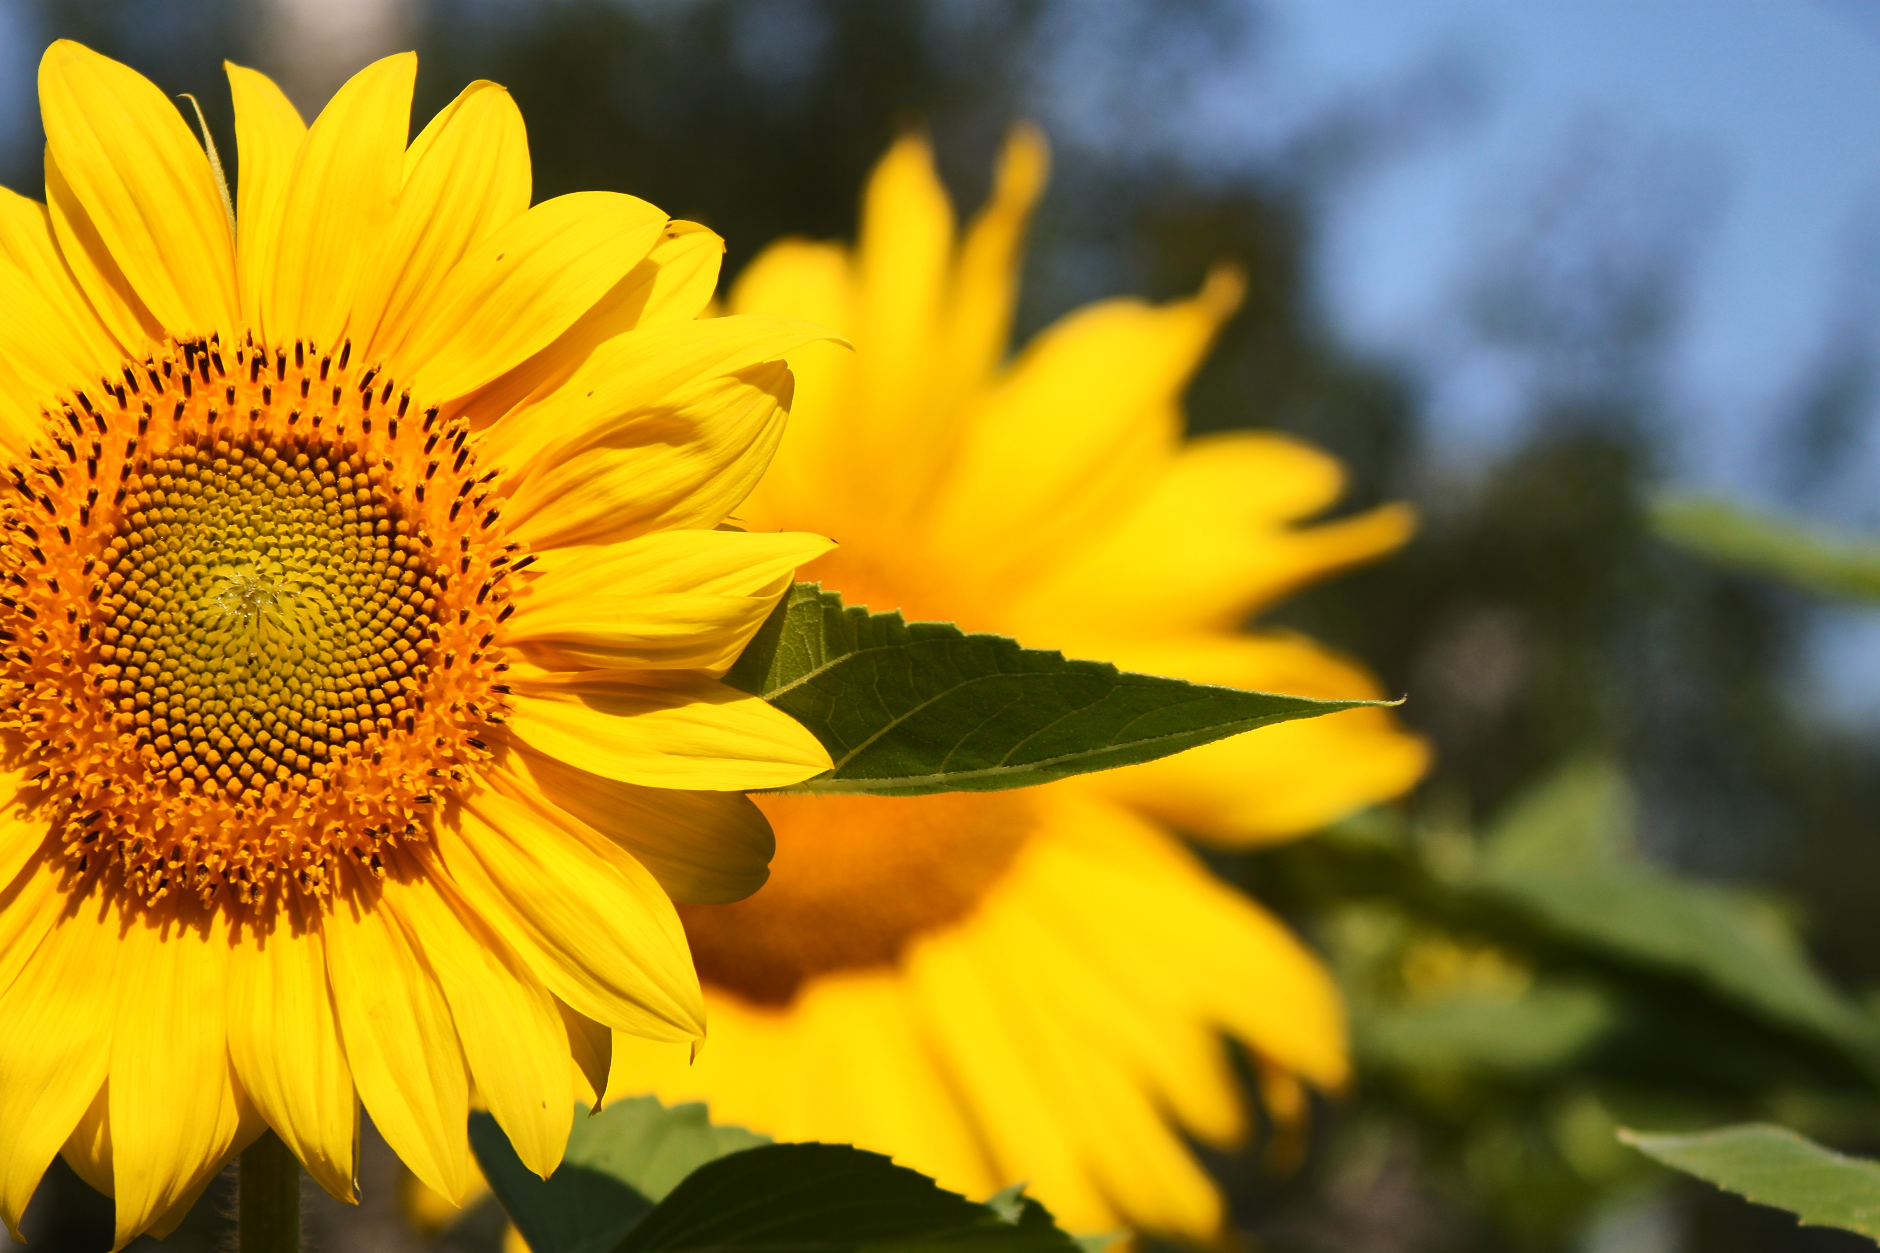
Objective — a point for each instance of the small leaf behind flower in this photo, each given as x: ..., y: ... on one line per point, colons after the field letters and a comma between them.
x: 831, y: 1198
x: 1816, y: 560
x: 906, y: 708
x: 619, y: 1164
x: 1774, y: 1166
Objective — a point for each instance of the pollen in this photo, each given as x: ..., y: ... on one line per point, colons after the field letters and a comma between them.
x: 252, y: 628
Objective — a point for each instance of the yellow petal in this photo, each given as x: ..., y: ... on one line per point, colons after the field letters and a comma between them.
x: 269, y: 133
x: 95, y: 270
x: 339, y: 204
x: 88, y: 1149
x: 171, y: 1036
x: 992, y: 1066
x: 666, y: 427
x: 703, y: 847
x: 146, y: 185
x: 590, y: 921
x: 592, y: 1046
x: 901, y: 262
x: 512, y: 1034
x: 515, y: 291
x: 1077, y: 432
x: 669, y: 600
x: 56, y: 1024
x: 1206, y: 547
x: 674, y: 283
x: 466, y: 175
x: 978, y: 318
x: 283, y: 1041
x: 810, y: 477
x: 30, y: 901
x: 1129, y: 1152
x: 1194, y: 943
x: 687, y: 732
x: 71, y: 333
x: 406, y: 1060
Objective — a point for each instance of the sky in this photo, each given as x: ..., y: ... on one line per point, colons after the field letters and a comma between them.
x: 1778, y: 98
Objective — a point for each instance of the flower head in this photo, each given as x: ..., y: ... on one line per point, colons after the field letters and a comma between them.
x: 358, y: 708
x: 1032, y: 985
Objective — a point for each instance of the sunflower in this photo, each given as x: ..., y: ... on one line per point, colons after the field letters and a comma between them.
x: 1032, y: 985
x: 367, y: 593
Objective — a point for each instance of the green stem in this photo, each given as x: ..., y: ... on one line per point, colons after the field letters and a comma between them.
x: 268, y: 1198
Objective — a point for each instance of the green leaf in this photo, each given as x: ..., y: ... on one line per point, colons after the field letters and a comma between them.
x: 1541, y: 1030
x: 906, y: 708
x: 1774, y: 1166
x: 830, y: 1198
x: 1817, y: 560
x: 619, y: 1164
x: 1564, y: 856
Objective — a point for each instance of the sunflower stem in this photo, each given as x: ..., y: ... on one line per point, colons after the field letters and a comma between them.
x: 268, y: 1198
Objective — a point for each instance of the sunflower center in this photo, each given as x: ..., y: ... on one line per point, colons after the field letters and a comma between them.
x: 273, y: 611
x: 855, y: 880
x: 253, y: 632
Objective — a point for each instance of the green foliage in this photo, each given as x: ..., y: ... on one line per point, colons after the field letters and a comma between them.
x: 641, y: 1178
x: 619, y: 1163
x: 1519, y: 991
x: 1563, y: 858
x: 1816, y: 560
x: 1774, y: 1166
x: 831, y: 1198
x: 907, y: 708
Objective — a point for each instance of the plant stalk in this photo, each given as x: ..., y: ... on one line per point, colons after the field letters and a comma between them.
x: 268, y: 1198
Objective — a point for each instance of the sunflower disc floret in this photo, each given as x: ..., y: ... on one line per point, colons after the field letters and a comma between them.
x: 254, y: 618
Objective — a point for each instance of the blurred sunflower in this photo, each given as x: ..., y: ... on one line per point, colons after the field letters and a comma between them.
x: 1031, y: 985
x: 364, y: 615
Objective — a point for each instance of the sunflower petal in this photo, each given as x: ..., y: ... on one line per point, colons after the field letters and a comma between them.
x: 515, y: 291
x: 172, y: 1036
x: 512, y: 1034
x: 269, y: 134
x: 70, y: 332
x: 1210, y: 543
x: 978, y: 319
x: 592, y: 1046
x: 590, y: 921
x: 56, y: 1024
x: 1078, y: 430
x: 283, y: 1041
x: 673, y: 284
x: 669, y: 600
x: 687, y: 732
x: 667, y: 427
x: 146, y: 185
x: 406, y: 1060
x: 901, y: 263
x: 338, y: 205
x: 807, y: 480
x: 466, y: 176
x: 703, y: 847
x: 95, y: 270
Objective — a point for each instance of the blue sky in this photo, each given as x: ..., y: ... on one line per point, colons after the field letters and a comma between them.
x: 1780, y: 99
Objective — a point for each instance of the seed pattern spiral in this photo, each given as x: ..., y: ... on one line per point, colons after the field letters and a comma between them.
x: 273, y: 613
x: 251, y: 628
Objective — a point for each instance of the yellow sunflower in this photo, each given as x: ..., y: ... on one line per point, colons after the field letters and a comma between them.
x: 1031, y: 985
x: 365, y: 603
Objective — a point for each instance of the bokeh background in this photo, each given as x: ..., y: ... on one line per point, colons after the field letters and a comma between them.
x: 1526, y: 266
